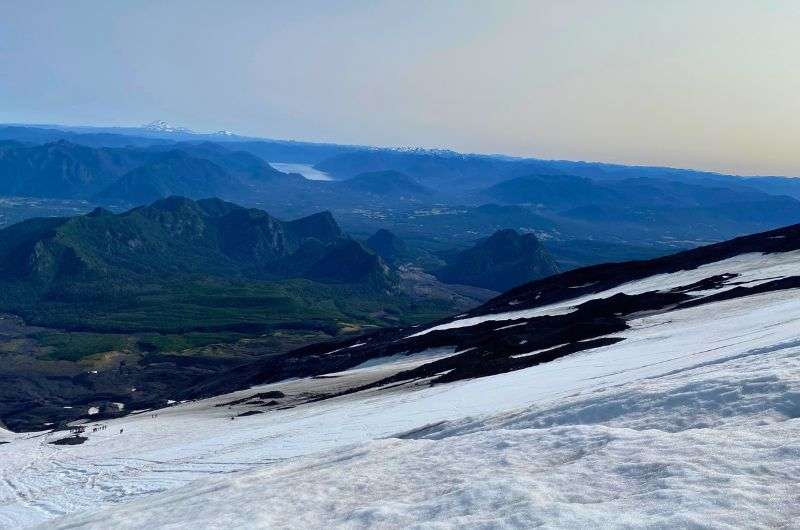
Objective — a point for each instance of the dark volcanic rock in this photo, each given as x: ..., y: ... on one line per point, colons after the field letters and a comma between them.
x: 72, y: 440
x: 273, y: 394
x: 250, y: 413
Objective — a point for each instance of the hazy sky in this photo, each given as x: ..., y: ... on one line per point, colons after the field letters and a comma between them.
x: 705, y: 84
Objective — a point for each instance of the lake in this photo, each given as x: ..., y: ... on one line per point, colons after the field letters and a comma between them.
x: 304, y: 169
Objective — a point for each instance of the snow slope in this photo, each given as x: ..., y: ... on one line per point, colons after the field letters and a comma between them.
x: 751, y: 269
x: 690, y: 421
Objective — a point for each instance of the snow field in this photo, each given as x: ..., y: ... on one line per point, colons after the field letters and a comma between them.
x: 716, y: 445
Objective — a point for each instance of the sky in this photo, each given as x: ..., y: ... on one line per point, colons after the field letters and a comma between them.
x: 707, y: 84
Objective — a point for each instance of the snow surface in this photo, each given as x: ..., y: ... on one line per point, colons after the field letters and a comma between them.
x: 751, y: 269
x: 692, y: 421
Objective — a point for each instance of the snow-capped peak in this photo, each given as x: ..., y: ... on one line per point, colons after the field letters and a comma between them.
x: 423, y: 151
x: 439, y: 152
x: 164, y: 126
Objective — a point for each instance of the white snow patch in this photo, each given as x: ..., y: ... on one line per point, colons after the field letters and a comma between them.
x: 536, y: 352
x: 403, y: 361
x: 511, y: 326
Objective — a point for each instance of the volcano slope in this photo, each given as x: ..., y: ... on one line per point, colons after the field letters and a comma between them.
x: 663, y: 393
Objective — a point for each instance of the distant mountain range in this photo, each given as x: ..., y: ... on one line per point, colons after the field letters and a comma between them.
x: 129, y: 175
x: 163, y: 133
x: 62, y: 169
x: 567, y: 192
x: 432, y: 199
x: 479, y: 171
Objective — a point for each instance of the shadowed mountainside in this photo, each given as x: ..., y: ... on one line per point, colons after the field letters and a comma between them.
x: 500, y: 262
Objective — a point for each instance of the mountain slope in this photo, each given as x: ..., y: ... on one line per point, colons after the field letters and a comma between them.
x: 681, y: 408
x: 348, y: 261
x: 162, y: 296
x: 502, y: 261
x: 554, y: 191
x: 99, y: 271
x: 431, y: 168
x: 132, y: 174
x: 560, y: 191
x: 239, y: 164
x: 388, y: 246
x: 62, y: 169
x: 386, y: 183
x: 580, y: 309
x: 171, y: 236
x: 174, y: 173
